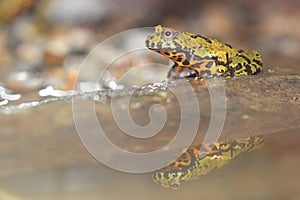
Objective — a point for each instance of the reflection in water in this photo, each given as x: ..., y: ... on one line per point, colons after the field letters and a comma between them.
x: 268, y: 174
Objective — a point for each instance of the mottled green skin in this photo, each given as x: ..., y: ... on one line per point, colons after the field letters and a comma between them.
x: 206, y: 56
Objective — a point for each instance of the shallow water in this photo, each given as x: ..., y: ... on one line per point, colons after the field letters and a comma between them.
x: 42, y: 156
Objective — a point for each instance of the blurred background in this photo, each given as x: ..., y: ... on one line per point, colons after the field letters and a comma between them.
x: 49, y: 39
x: 42, y: 45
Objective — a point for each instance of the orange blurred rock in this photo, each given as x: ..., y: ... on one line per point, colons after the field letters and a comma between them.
x: 10, y: 9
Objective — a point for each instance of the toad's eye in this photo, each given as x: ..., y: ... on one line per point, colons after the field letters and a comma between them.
x: 168, y: 34
x: 175, y: 184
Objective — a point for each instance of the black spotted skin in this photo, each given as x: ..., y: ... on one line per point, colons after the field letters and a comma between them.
x: 206, y: 56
